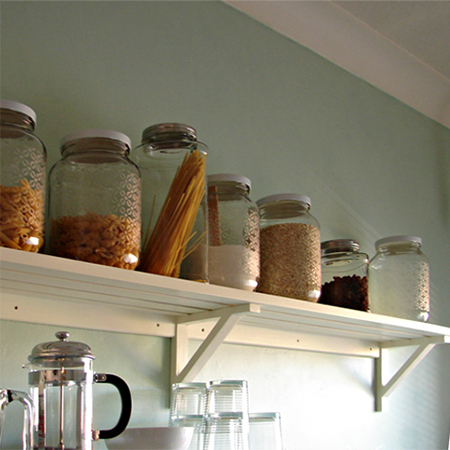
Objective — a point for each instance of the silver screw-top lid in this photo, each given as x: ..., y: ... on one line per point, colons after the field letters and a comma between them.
x: 18, y: 107
x: 224, y: 177
x: 60, y: 349
x: 339, y: 245
x: 169, y: 132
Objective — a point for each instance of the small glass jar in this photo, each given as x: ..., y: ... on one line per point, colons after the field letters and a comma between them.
x: 173, y: 244
x: 344, y: 275
x: 399, y: 279
x: 95, y: 200
x: 233, y: 224
x: 289, y: 247
x: 23, y: 160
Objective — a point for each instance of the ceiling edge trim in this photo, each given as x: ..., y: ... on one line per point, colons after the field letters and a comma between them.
x: 342, y: 39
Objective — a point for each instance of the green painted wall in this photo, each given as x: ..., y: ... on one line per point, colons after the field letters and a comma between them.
x: 289, y: 120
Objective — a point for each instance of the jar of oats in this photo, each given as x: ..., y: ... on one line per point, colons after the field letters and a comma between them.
x: 399, y: 279
x: 289, y: 247
x: 233, y: 224
x: 23, y: 161
x: 174, y: 220
x: 95, y: 200
x: 344, y: 275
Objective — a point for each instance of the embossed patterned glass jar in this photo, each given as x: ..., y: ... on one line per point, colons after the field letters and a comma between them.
x: 344, y: 275
x: 289, y: 247
x: 23, y: 175
x: 95, y: 200
x: 233, y: 255
x: 165, y: 149
x: 399, y: 279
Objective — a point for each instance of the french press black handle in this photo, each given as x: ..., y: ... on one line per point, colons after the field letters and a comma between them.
x: 125, y: 396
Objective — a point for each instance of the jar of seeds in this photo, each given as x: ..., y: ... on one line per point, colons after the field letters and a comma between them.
x: 23, y: 174
x: 233, y: 253
x: 399, y: 279
x: 95, y: 200
x: 289, y: 248
x: 344, y: 275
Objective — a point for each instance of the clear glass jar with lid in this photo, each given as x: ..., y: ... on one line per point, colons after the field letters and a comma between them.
x: 399, y: 279
x: 233, y: 223
x: 174, y: 218
x: 95, y: 200
x: 344, y: 275
x: 289, y: 247
x: 23, y: 160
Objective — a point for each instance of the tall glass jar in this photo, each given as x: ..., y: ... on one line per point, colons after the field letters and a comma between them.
x: 23, y: 160
x: 344, y: 275
x: 399, y: 280
x: 95, y: 200
x: 289, y: 247
x: 233, y: 254
x: 175, y: 240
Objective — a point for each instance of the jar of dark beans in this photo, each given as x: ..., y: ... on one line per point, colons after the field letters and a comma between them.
x: 344, y: 275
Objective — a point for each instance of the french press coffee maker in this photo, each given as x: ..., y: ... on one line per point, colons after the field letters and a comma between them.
x: 61, y: 379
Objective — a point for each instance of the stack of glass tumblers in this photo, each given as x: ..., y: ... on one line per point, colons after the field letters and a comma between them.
x: 219, y: 412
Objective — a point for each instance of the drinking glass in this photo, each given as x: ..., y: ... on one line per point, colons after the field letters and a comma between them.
x: 225, y: 396
x: 195, y: 421
x: 188, y: 399
x: 265, y: 431
x: 226, y: 431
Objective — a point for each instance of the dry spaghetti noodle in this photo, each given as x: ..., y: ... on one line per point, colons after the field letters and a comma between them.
x: 164, y: 250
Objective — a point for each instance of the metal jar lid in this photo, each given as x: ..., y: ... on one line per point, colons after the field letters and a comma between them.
x: 169, y: 132
x: 12, y: 105
x: 339, y: 245
x: 61, y: 349
x: 284, y: 198
x: 402, y: 239
x: 225, y: 177
x: 96, y: 134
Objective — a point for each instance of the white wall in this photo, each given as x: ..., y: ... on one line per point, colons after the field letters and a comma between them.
x: 292, y: 122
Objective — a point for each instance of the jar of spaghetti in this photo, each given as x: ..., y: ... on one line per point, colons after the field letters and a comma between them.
x: 95, y: 200
x: 23, y: 161
x: 344, y: 275
x: 233, y: 254
x: 289, y: 247
x: 399, y: 279
x: 174, y: 220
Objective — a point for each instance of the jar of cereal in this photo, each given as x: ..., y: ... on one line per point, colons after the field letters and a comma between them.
x: 399, y: 279
x: 233, y: 254
x: 23, y: 161
x: 95, y: 200
x: 289, y: 248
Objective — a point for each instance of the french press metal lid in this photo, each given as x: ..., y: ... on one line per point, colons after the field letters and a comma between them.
x: 61, y: 350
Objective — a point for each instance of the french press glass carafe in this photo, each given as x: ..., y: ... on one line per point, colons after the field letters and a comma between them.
x: 61, y: 378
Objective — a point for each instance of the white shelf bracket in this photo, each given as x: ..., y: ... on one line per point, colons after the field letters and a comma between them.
x: 424, y: 346
x: 183, y: 370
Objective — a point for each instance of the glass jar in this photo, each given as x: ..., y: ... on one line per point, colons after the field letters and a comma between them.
x: 174, y: 220
x: 233, y: 224
x: 23, y: 160
x: 399, y: 280
x: 289, y: 248
x: 344, y: 275
x: 95, y: 200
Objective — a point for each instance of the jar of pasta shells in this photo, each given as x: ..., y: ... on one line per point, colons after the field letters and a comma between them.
x: 289, y: 247
x: 23, y: 161
x: 95, y: 200
x: 174, y: 220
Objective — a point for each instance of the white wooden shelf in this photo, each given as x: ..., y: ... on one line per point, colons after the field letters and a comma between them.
x: 43, y: 289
